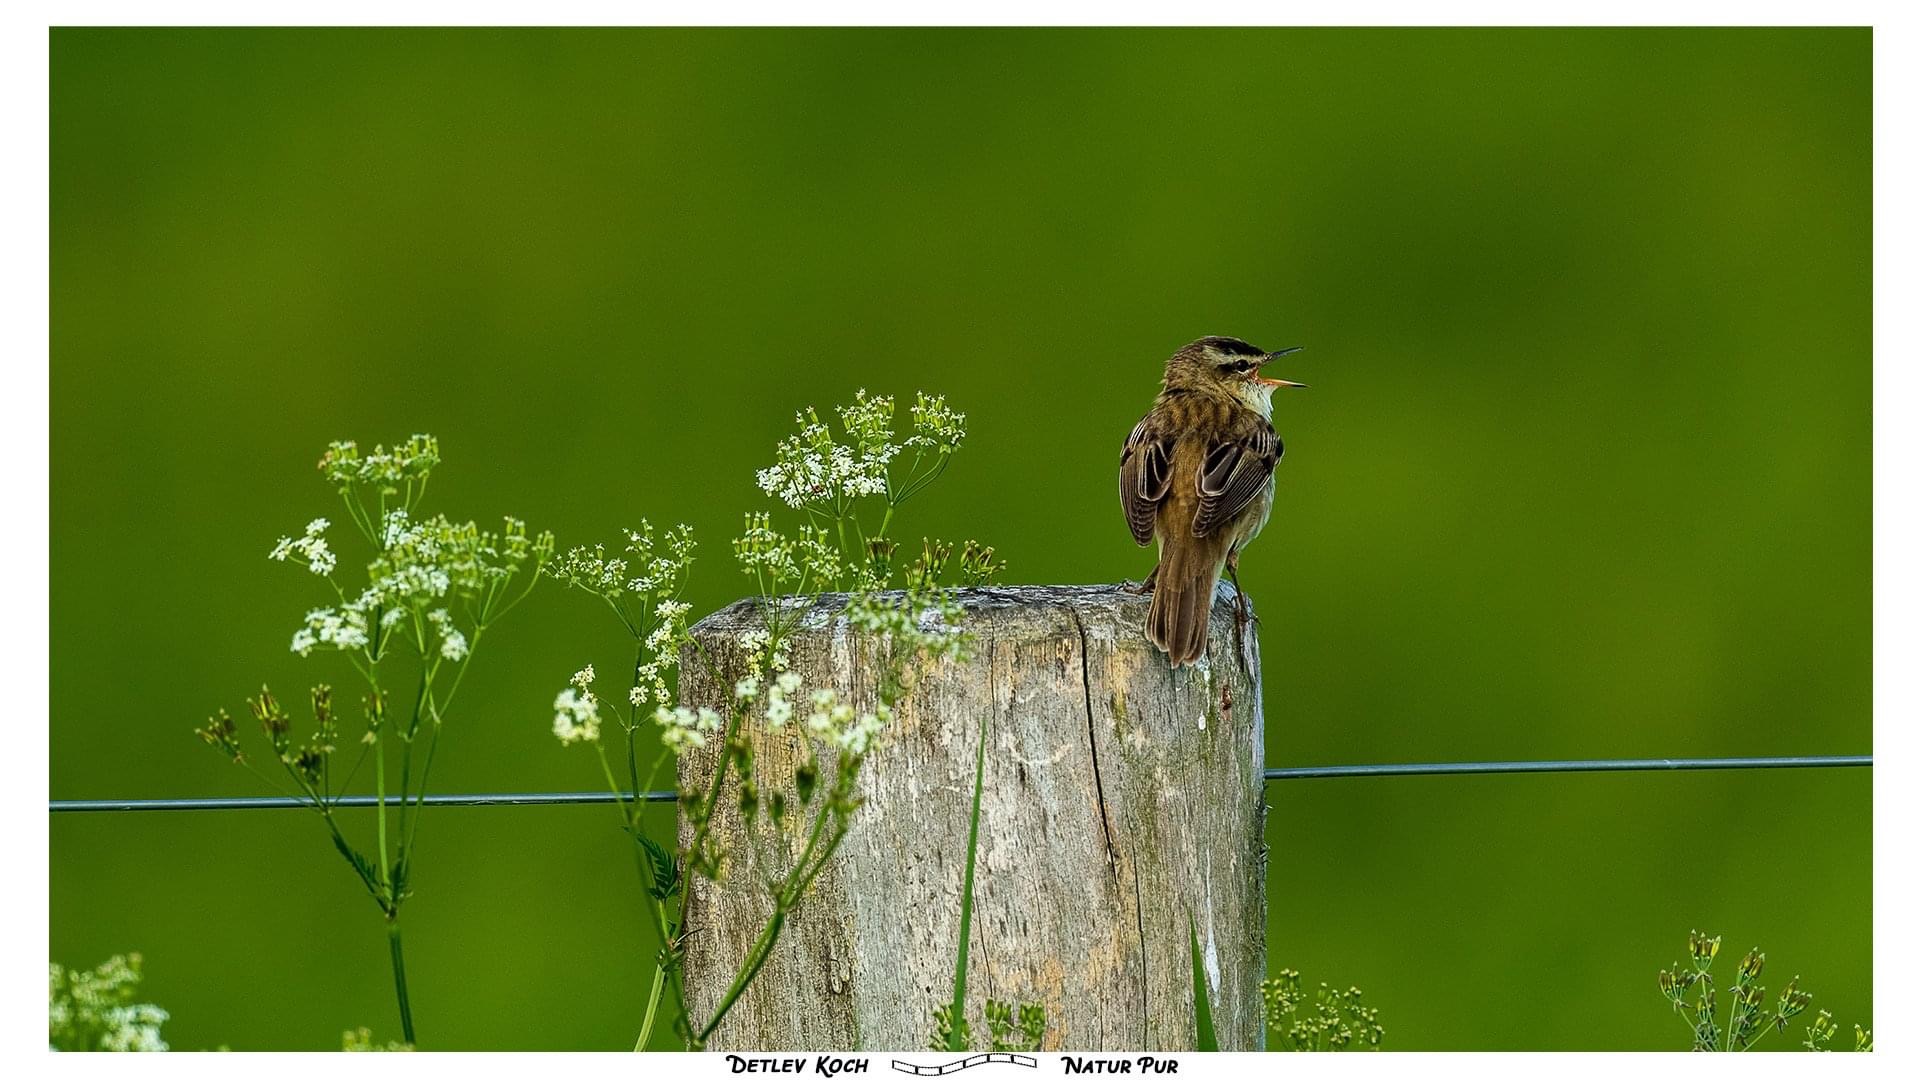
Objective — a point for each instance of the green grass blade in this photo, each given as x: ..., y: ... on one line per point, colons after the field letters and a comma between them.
x: 1203, y: 1036
x: 957, y: 1031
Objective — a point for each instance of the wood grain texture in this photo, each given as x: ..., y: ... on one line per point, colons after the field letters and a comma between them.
x: 1120, y: 795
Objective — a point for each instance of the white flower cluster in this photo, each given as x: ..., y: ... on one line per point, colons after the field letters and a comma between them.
x: 418, y: 558
x: 754, y: 644
x: 936, y: 428
x: 777, y: 561
x: 420, y: 564
x: 652, y: 566
x: 682, y: 728
x: 338, y: 628
x: 810, y: 466
x: 382, y: 469
x: 95, y: 1010
x: 662, y: 649
x: 576, y: 712
x: 427, y: 559
x: 868, y: 422
x: 360, y: 1041
x: 826, y: 718
x: 780, y: 699
x: 924, y: 621
x: 311, y: 548
x: 833, y: 720
x: 453, y: 643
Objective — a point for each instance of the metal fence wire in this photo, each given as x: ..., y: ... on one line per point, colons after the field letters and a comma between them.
x: 1303, y: 772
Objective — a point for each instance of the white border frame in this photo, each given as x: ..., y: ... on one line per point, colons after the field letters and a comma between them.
x: 23, y: 542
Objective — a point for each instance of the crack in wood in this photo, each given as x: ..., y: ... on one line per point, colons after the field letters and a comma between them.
x: 1140, y: 927
x: 1093, y: 740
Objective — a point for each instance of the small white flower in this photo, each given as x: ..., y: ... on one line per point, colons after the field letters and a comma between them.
x: 454, y: 645
x: 748, y: 688
x: 320, y: 558
x: 788, y: 682
x: 345, y: 628
x: 583, y: 678
x: 681, y: 727
x: 779, y: 711
x: 311, y: 548
x: 576, y: 716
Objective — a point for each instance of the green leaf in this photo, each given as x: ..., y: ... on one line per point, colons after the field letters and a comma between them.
x: 946, y: 1032
x: 666, y: 873
x: 957, y: 1032
x: 1203, y: 1035
x: 368, y: 874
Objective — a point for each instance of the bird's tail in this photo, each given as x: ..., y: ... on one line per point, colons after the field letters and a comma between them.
x: 1183, y: 600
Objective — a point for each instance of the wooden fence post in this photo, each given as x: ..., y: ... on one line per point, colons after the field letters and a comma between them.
x: 1120, y: 796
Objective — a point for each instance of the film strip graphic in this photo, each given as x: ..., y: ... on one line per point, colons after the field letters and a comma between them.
x: 965, y: 1063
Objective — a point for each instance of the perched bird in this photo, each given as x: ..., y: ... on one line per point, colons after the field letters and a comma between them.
x: 1197, y: 473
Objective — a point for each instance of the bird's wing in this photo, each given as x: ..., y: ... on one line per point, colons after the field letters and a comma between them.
x: 1146, y: 473
x: 1237, y: 466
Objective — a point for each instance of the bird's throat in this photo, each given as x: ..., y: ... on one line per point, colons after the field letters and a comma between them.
x: 1257, y: 396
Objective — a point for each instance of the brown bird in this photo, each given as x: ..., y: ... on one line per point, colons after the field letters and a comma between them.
x: 1197, y: 472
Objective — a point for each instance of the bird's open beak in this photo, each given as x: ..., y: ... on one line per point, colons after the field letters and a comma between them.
x: 1285, y: 383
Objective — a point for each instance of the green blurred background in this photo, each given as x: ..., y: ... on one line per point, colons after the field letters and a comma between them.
x: 1584, y: 471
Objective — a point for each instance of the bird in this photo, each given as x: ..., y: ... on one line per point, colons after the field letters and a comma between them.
x: 1196, y: 473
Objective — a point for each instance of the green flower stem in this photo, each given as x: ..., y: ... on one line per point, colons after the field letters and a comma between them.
x: 400, y: 979
x: 821, y: 863
x: 406, y: 752
x: 380, y: 792
x: 653, y: 1005
x: 785, y: 899
x: 613, y: 785
x: 761, y: 947
x: 665, y: 930
x: 712, y: 799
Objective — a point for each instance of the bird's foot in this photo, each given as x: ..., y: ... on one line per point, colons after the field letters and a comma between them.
x: 1145, y: 585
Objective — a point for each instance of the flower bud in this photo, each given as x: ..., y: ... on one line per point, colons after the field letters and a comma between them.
x: 1702, y: 948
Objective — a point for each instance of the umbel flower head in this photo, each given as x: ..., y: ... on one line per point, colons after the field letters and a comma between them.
x: 310, y: 548
x: 682, y: 728
x: 651, y: 567
x: 576, y: 712
x: 420, y: 569
x: 382, y: 470
x: 812, y: 467
x: 95, y: 1010
x: 642, y: 584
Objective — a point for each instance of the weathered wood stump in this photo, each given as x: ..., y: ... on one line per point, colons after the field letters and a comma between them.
x: 1120, y: 796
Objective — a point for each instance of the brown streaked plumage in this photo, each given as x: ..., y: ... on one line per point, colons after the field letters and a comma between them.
x: 1197, y: 474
